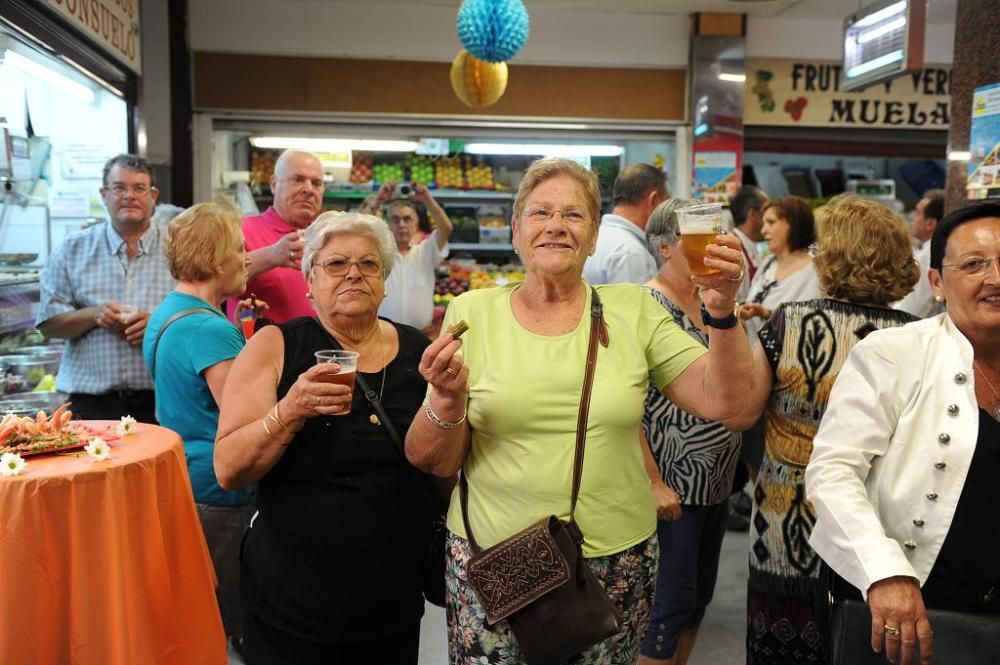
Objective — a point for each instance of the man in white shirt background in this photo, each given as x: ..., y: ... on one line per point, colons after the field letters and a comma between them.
x: 928, y: 212
x: 748, y: 219
x: 409, y: 288
x: 622, y: 254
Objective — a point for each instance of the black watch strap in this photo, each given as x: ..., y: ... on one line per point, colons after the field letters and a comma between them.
x: 725, y: 323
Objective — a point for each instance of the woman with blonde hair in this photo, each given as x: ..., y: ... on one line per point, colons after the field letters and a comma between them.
x: 189, y: 348
x: 864, y: 263
x: 506, y: 409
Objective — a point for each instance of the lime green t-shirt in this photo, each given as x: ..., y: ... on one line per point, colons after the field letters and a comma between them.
x: 524, y: 398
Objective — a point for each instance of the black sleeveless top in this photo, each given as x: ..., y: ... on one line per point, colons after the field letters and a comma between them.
x: 335, y: 554
x: 967, y: 564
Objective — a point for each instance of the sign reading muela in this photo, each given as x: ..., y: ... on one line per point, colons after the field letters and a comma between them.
x: 793, y: 93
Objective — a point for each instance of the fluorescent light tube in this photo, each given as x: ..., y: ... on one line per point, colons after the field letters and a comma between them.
x: 882, y: 14
x: 881, y: 61
x: 959, y: 156
x: 884, y: 29
x: 547, y: 149
x: 330, y: 145
x: 57, y: 80
x: 733, y: 78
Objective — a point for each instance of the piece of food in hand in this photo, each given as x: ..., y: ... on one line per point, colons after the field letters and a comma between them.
x: 458, y: 329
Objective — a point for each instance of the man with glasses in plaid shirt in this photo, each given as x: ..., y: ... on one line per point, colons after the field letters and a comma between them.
x: 97, y: 290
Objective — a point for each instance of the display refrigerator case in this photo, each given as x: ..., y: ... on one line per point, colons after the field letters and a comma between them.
x: 28, y: 362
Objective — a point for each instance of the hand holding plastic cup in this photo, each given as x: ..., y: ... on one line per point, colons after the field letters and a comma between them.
x: 698, y: 226
x: 125, y: 312
x: 348, y: 361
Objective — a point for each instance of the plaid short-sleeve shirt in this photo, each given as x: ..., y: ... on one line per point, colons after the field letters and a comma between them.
x: 90, y: 268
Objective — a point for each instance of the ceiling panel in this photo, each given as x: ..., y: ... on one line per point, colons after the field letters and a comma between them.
x: 938, y: 11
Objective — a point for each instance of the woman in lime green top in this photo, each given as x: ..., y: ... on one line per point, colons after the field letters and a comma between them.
x: 505, y: 409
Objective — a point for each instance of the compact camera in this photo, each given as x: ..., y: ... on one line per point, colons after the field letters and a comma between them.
x: 403, y: 191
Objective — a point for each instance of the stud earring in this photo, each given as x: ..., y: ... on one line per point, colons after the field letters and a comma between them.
x: 939, y: 298
x: 309, y: 295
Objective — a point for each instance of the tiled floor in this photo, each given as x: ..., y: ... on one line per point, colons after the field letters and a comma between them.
x: 720, y: 641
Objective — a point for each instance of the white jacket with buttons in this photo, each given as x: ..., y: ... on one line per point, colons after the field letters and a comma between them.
x: 892, y: 453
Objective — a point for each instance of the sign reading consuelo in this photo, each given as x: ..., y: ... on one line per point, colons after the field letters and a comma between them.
x: 114, y: 24
x: 793, y: 93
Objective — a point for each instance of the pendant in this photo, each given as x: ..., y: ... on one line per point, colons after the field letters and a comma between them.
x: 373, y: 419
x: 996, y: 413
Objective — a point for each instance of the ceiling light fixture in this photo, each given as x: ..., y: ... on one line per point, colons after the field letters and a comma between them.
x: 546, y: 149
x: 330, y: 145
x: 959, y: 156
x: 882, y: 14
x: 733, y: 78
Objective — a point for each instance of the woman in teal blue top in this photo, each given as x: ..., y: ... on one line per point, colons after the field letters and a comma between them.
x: 189, y: 362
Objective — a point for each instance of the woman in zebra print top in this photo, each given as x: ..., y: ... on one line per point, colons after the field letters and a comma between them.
x: 691, y: 462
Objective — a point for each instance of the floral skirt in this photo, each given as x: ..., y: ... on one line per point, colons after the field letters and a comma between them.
x: 628, y: 576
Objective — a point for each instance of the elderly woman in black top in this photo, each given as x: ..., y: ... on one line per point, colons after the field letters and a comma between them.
x: 332, y: 564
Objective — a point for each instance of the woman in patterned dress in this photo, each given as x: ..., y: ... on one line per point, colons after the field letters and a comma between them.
x: 864, y: 262
x: 693, y: 463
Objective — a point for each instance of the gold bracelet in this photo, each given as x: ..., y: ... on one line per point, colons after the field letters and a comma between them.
x: 440, y: 422
x: 266, y: 428
x: 277, y: 418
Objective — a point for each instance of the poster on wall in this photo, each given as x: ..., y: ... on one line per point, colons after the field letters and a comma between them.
x: 793, y: 93
x: 984, y: 144
x: 716, y: 172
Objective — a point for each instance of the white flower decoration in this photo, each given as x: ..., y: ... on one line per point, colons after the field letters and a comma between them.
x: 127, y: 426
x: 11, y: 464
x: 98, y: 449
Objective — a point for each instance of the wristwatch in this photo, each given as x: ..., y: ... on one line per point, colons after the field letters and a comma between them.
x: 725, y: 323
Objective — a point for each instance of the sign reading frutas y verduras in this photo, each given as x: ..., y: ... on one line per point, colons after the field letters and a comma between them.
x: 114, y: 24
x: 807, y: 94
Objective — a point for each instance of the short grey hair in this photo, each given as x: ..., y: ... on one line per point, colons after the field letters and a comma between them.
x: 331, y: 224
x: 662, y: 228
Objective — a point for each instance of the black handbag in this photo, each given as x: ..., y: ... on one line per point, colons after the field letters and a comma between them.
x: 538, y: 579
x: 960, y: 638
x: 437, y: 505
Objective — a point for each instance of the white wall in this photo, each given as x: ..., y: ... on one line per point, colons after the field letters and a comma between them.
x: 559, y: 36
x: 821, y: 40
x: 319, y: 28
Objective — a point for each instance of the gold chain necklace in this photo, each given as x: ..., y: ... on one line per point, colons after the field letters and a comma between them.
x: 996, y: 409
x: 374, y: 419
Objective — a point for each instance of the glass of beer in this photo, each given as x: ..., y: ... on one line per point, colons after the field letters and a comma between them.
x: 698, y: 226
x: 348, y: 362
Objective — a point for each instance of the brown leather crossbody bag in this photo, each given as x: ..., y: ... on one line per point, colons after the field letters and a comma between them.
x: 538, y: 579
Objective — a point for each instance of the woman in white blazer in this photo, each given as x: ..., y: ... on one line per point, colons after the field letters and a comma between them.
x: 905, y: 464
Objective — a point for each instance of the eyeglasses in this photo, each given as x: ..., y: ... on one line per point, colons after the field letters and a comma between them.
x: 542, y: 214
x: 139, y: 191
x: 973, y: 267
x: 338, y: 267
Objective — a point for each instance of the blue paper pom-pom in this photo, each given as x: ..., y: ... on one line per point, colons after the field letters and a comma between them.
x: 493, y: 30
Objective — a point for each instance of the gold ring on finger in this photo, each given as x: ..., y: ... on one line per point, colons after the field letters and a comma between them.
x: 890, y: 630
x: 450, y: 371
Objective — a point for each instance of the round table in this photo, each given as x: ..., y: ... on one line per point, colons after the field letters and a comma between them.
x: 105, y: 562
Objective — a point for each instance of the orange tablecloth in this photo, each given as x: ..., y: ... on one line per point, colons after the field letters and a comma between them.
x: 105, y: 563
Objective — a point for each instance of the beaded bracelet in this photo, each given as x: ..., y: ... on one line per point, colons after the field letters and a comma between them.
x: 443, y: 424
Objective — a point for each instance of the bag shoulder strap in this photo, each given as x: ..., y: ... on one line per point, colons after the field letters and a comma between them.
x: 598, y: 333
x: 389, y: 428
x: 166, y: 324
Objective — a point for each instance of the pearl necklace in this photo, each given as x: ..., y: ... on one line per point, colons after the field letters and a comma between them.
x: 996, y: 409
x: 374, y: 419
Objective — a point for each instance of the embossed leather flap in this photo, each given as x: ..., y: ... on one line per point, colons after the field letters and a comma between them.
x: 515, y: 572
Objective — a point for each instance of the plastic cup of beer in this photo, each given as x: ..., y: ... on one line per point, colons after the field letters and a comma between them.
x: 125, y: 312
x: 699, y: 225
x: 348, y: 362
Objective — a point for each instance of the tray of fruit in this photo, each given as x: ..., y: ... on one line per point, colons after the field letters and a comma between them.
x: 43, y: 434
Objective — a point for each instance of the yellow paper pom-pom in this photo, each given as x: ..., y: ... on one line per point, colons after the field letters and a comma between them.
x: 475, y: 82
